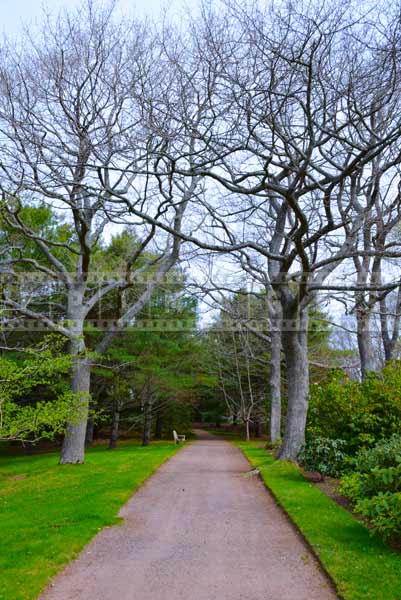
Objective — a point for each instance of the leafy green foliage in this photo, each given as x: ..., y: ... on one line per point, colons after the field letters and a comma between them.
x: 375, y: 487
x: 157, y: 365
x: 43, y: 366
x: 324, y: 455
x: 45, y: 222
x: 177, y: 415
x: 386, y: 479
x: 361, y: 413
x: 43, y: 420
x: 384, y: 513
x: 351, y: 486
x: 386, y: 453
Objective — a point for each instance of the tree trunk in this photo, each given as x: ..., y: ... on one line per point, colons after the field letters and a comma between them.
x: 247, y: 432
x: 295, y: 348
x: 114, y: 425
x: 258, y: 429
x: 73, y: 449
x: 89, y: 431
x: 147, y: 423
x: 367, y: 353
x: 275, y: 386
x: 388, y: 347
x: 390, y: 341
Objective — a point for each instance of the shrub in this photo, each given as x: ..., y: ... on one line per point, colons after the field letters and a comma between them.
x: 324, y: 455
x: 377, y: 470
x: 379, y: 480
x: 386, y: 453
x: 359, y: 486
x: 351, y: 486
x: 359, y: 412
x: 375, y: 487
x: 384, y: 513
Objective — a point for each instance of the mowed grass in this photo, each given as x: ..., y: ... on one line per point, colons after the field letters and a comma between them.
x: 49, y: 512
x: 361, y: 565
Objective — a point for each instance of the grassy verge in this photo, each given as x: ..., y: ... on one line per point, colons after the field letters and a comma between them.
x: 48, y: 513
x: 361, y: 565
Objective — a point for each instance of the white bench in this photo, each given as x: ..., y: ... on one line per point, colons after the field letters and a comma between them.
x: 178, y: 438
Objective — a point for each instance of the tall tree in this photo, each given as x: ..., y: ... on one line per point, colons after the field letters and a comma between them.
x: 292, y: 98
x: 68, y: 98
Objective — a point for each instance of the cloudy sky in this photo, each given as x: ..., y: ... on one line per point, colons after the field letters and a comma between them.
x: 13, y: 13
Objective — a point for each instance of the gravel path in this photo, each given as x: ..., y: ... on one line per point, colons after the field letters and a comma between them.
x: 198, y: 529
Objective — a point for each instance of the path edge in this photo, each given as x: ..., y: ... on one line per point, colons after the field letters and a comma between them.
x: 63, y: 567
x: 295, y: 527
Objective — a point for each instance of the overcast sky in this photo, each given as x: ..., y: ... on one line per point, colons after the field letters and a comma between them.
x: 14, y: 12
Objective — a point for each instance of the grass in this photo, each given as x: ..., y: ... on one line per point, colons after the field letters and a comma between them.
x: 49, y: 512
x: 361, y: 565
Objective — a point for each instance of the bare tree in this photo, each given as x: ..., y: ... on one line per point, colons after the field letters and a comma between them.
x: 288, y: 124
x: 374, y: 194
x: 236, y: 377
x: 74, y: 103
x: 265, y: 127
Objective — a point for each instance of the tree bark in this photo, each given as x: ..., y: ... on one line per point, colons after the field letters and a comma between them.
x: 367, y: 353
x: 247, y: 431
x: 73, y: 449
x: 390, y: 340
x: 89, y: 431
x: 114, y: 425
x: 295, y: 348
x: 275, y: 386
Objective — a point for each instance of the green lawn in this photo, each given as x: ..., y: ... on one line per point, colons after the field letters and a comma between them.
x: 49, y: 512
x: 361, y: 565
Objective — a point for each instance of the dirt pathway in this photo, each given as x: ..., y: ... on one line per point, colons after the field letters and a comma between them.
x: 197, y: 530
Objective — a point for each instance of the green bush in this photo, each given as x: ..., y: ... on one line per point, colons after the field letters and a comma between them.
x: 377, y: 470
x: 360, y: 486
x: 375, y: 487
x: 383, y: 480
x: 361, y: 413
x: 351, y: 486
x: 386, y: 453
x: 324, y: 455
x: 384, y: 513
